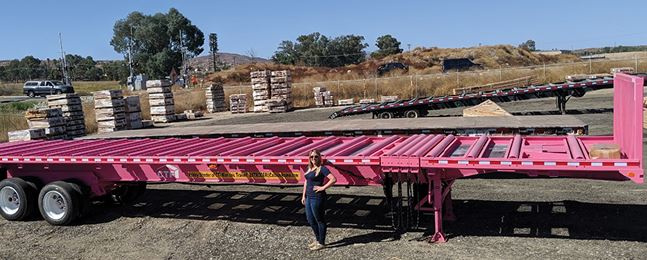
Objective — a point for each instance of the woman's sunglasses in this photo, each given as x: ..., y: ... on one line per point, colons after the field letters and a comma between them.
x: 314, y: 156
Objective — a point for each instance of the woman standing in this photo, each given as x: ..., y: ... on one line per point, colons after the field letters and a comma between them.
x: 314, y: 197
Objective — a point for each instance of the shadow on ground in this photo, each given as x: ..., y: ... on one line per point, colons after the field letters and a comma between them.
x: 556, y: 219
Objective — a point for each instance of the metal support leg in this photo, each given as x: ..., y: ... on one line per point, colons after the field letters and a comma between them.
x: 448, y: 208
x: 439, y: 236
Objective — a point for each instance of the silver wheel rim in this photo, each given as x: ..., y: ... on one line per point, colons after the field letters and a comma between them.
x: 9, y: 200
x: 54, y: 205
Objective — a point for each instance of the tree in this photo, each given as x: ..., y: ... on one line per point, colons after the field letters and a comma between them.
x: 528, y: 45
x: 213, y: 48
x: 116, y: 70
x: 318, y: 50
x: 157, y: 41
x: 387, y: 45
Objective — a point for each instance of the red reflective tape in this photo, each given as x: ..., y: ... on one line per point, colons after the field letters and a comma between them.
x: 585, y: 163
x: 607, y: 164
x: 473, y: 162
x: 274, y: 160
x: 495, y: 162
x: 634, y: 164
x: 516, y: 162
x: 561, y: 163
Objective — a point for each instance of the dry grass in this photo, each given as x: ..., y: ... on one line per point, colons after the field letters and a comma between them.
x: 12, y: 117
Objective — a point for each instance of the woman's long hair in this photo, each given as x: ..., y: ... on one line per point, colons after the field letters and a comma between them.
x: 315, y: 156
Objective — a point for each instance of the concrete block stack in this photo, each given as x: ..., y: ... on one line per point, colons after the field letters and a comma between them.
x: 282, y: 87
x: 367, y: 101
x: 215, y: 98
x: 133, y: 110
x: 277, y: 105
x: 238, y: 103
x: 261, y: 89
x: 161, y: 101
x: 323, y: 97
x: 49, y: 119
x: 110, y: 110
x: 72, y: 108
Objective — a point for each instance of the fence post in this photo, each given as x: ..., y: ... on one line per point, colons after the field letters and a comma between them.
x: 375, y: 81
x: 636, y: 60
x: 545, y: 79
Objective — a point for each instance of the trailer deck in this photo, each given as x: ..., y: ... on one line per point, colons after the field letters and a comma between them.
x: 80, y: 169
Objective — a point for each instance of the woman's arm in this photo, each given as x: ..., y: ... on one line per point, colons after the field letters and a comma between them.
x: 303, y: 194
x: 331, y: 181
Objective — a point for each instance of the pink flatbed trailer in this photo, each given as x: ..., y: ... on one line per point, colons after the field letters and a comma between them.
x: 57, y: 177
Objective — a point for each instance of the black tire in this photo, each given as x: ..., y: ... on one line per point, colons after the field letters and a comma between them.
x: 128, y: 193
x: 31, y: 94
x: 16, y: 190
x: 59, y: 203
x: 58, y: 92
x: 412, y: 114
x: 385, y: 115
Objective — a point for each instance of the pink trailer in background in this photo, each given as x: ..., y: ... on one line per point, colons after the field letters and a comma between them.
x: 59, y: 177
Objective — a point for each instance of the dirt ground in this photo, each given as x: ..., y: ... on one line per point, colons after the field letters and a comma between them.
x: 502, y: 218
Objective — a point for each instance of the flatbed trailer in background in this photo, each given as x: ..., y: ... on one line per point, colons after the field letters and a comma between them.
x: 420, y: 106
x: 59, y: 177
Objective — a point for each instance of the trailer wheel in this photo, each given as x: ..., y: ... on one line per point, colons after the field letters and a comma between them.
x: 128, y: 193
x: 412, y: 114
x: 385, y: 115
x: 17, y: 199
x: 59, y: 203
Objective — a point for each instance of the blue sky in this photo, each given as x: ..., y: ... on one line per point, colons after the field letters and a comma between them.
x: 31, y: 27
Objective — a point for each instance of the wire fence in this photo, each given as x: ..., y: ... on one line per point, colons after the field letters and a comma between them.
x: 436, y: 84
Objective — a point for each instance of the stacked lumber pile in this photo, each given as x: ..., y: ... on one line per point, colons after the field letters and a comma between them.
x: 26, y: 135
x: 486, y: 108
x: 109, y: 107
x: 367, y: 101
x: 72, y: 109
x: 388, y: 98
x: 160, y: 98
x: 346, y: 102
x: 238, y: 103
x: 190, y: 114
x: 323, y: 97
x: 282, y: 89
x: 215, y: 98
x: 133, y: 111
x: 261, y: 89
x: 49, y: 119
x: 277, y: 105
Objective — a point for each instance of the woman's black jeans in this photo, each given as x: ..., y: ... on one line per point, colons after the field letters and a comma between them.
x: 315, y: 213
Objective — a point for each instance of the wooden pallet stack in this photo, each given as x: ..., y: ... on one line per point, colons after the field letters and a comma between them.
x: 215, y: 98
x: 282, y: 88
x: 388, y: 98
x: 261, y: 89
x: 323, y: 97
x: 238, y: 103
x: 160, y: 98
x: 72, y: 108
x: 110, y: 111
x: 367, y: 101
x: 345, y: 102
x: 26, y: 135
x: 133, y: 111
x: 49, y: 119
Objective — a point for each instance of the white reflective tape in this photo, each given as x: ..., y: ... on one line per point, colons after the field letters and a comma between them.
x: 463, y: 162
x: 15, y: 159
x: 526, y: 163
x: 484, y: 162
x: 85, y: 160
x: 191, y: 160
x: 27, y: 159
x: 5, y: 159
x: 50, y: 159
x: 177, y: 160
x: 249, y: 160
x: 97, y: 159
x: 348, y: 161
x: 332, y: 161
x: 123, y: 160
x: 111, y: 160
x: 149, y: 160
x: 235, y: 160
x: 620, y: 164
x: 597, y: 164
x: 137, y: 160
x: 162, y: 159
x: 282, y: 160
x: 506, y: 163
x: 366, y: 160
x: 61, y: 159
x: 573, y: 164
x: 265, y: 160
x: 443, y: 162
x: 298, y: 160
x: 206, y: 160
x: 220, y: 160
x: 38, y: 159
x: 550, y: 163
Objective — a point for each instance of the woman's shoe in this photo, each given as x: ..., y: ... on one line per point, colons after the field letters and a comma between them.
x: 313, y: 244
x: 317, y: 247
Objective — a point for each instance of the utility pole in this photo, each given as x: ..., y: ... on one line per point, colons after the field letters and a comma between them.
x: 184, y: 67
x: 130, y: 53
x: 66, y: 79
